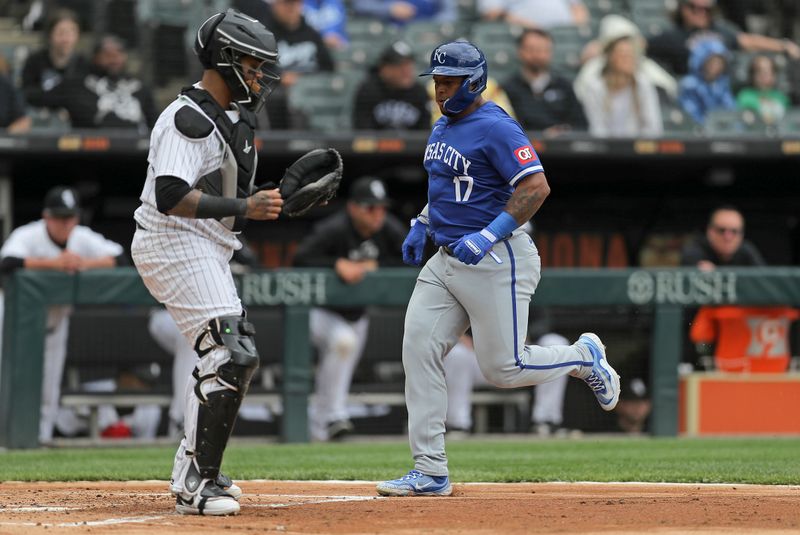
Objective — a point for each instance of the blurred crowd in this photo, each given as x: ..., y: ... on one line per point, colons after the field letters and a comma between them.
x: 612, y: 68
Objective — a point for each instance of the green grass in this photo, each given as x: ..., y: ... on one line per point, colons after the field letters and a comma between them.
x: 750, y: 460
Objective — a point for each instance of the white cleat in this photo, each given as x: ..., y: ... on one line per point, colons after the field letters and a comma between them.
x: 229, y: 486
x: 603, y: 380
x: 211, y: 501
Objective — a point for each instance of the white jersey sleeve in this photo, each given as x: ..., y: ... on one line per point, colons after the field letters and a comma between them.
x: 18, y: 243
x: 85, y: 242
x: 173, y: 154
x: 30, y: 241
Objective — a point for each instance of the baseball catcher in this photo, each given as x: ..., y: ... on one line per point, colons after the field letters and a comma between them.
x: 310, y: 181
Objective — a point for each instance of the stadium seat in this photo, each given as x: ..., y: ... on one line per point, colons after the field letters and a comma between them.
x: 677, y: 122
x: 600, y: 8
x: 361, y: 54
x: 734, y: 123
x: 46, y: 121
x: 324, y: 101
x: 790, y: 125
x: 651, y: 16
x: 502, y: 59
x: 468, y: 10
x: 423, y: 37
x: 363, y: 29
x: 568, y: 43
x: 494, y: 33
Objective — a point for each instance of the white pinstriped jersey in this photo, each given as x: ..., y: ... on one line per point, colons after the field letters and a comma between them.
x: 174, y: 154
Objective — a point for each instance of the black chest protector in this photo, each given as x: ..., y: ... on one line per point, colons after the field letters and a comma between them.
x: 236, y: 175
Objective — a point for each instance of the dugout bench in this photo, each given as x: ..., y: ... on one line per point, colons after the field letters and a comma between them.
x: 665, y: 292
x: 515, y: 404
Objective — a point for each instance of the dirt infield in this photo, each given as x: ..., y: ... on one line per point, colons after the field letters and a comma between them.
x: 138, y: 508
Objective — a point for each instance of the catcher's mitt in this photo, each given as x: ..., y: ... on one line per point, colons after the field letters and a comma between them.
x: 310, y: 181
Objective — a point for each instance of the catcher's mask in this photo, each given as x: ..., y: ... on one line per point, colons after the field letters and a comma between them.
x: 221, y: 42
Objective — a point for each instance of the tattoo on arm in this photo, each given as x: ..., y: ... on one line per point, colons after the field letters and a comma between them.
x: 187, y: 207
x: 528, y: 198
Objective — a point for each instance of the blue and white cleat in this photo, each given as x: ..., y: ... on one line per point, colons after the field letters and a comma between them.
x: 415, y: 483
x: 603, y: 380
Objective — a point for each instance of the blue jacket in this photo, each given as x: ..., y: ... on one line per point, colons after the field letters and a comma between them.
x: 698, y: 96
x: 327, y: 17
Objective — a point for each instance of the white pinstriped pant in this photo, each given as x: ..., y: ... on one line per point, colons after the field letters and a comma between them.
x: 189, y: 274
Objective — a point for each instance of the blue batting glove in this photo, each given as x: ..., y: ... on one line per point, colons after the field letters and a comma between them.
x: 471, y: 248
x: 414, y: 244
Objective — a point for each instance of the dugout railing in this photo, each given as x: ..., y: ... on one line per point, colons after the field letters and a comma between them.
x: 666, y: 291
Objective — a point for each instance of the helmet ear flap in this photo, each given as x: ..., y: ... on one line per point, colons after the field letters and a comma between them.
x: 204, y: 36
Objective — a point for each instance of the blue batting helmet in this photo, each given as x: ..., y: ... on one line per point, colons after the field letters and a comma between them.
x: 460, y: 58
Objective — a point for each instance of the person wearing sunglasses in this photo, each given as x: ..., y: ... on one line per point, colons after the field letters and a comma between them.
x: 696, y: 20
x: 723, y: 243
x: 751, y: 339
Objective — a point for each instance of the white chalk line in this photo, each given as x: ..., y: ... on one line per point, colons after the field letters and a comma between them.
x: 85, y: 523
x: 314, y: 500
x: 35, y: 509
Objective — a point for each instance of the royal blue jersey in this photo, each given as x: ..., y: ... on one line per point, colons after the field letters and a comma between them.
x: 473, y: 165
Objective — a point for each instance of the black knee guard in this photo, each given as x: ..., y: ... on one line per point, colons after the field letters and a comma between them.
x: 217, y: 411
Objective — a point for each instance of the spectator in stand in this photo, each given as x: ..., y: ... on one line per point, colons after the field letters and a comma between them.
x: 402, y: 12
x: 747, y: 339
x: 329, y: 18
x: 612, y: 28
x: 762, y: 95
x: 543, y: 14
x: 13, y: 116
x: 301, y: 49
x: 110, y: 97
x: 354, y: 241
x: 707, y: 87
x: 392, y: 100
x: 723, y: 243
x: 46, y: 70
x: 697, y: 20
x: 57, y: 243
x: 619, y: 100
x: 544, y: 101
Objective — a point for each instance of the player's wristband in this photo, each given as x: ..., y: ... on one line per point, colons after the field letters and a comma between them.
x: 502, y: 226
x: 212, y: 207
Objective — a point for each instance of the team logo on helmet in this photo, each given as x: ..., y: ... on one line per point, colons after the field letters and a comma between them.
x: 440, y: 55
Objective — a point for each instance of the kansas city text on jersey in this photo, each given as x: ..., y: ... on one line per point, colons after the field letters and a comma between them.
x: 449, y: 155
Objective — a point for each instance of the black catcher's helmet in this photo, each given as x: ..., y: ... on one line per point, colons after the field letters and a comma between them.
x: 220, y: 43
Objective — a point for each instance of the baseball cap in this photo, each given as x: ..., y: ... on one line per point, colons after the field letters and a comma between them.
x: 61, y: 201
x: 368, y: 190
x: 396, y: 53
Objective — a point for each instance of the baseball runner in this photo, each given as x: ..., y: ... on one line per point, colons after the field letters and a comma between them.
x: 484, y: 181
x: 57, y: 242
x: 199, y: 187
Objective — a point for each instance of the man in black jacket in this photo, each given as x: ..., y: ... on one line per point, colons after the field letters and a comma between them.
x: 109, y: 96
x: 542, y: 100
x: 723, y: 243
x: 354, y: 242
x: 393, y: 99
